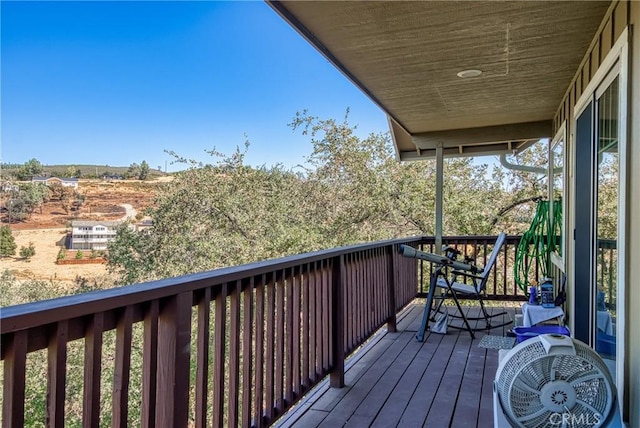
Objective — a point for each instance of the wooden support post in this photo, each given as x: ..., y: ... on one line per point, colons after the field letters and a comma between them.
x: 174, y: 339
x: 439, y: 197
x: 391, y: 288
x: 338, y: 282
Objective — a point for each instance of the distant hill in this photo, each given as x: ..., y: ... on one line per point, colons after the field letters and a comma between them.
x: 97, y: 170
x: 86, y: 171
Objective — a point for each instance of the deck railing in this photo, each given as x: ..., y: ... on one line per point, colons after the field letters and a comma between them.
x: 235, y: 346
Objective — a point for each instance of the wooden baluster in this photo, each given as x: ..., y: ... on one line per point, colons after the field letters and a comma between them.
x: 338, y: 279
x: 296, y: 285
x: 391, y: 288
x: 202, y: 357
x: 306, y: 329
x: 269, y: 356
x: 279, y: 367
x: 313, y: 323
x: 174, y: 345
x: 92, y: 371
x: 57, y: 373
x: 219, y: 342
x: 234, y: 354
x: 289, y: 333
x: 247, y: 354
x: 260, y: 358
x: 13, y: 390
x: 326, y: 315
x: 120, y: 399
x: 150, y: 365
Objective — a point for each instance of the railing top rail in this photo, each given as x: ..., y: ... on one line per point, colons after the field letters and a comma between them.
x: 19, y: 317
x: 509, y: 238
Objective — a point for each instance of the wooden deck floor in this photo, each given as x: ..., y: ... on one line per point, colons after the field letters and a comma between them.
x: 445, y: 381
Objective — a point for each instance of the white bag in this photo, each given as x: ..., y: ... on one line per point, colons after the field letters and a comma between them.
x: 442, y: 320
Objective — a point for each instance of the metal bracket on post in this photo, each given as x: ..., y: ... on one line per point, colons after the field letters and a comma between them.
x: 338, y: 281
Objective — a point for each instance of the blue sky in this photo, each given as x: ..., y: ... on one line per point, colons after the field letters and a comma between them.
x: 118, y: 82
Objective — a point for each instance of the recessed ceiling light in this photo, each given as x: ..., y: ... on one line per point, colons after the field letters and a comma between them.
x: 469, y: 73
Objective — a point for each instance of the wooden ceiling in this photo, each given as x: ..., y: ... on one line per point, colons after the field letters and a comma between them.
x: 406, y: 55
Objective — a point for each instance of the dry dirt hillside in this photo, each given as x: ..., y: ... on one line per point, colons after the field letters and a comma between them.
x: 47, y: 228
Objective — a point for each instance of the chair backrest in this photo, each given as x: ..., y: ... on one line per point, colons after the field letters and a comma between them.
x: 492, y: 261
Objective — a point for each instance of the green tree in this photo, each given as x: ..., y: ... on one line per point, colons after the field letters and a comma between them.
x: 79, y: 255
x: 143, y: 174
x: 7, y: 242
x: 217, y: 215
x: 34, y: 195
x: 351, y: 189
x: 72, y: 171
x: 28, y: 251
x: 30, y: 169
x: 18, y: 208
x: 133, y: 171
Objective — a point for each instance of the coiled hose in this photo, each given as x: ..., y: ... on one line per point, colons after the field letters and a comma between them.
x: 537, y: 243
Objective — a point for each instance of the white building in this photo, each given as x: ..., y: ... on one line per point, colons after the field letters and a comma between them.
x: 65, y: 182
x: 92, y: 235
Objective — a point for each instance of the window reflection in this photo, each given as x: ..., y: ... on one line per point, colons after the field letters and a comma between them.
x: 607, y: 221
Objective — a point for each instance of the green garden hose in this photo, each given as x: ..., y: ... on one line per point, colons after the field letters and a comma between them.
x: 537, y: 243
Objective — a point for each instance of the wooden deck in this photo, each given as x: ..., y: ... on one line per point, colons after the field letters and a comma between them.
x: 394, y: 380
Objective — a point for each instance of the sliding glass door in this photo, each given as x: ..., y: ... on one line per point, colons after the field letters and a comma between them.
x: 606, y: 219
x: 597, y: 197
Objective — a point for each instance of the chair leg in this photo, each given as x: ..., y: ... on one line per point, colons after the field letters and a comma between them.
x: 427, y: 307
x: 463, y: 316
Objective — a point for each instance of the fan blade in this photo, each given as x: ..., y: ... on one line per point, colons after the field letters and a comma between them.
x: 526, y: 387
x: 533, y: 415
x: 595, y: 376
x: 592, y: 409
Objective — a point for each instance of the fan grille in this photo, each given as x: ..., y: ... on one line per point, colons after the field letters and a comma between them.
x: 576, y: 384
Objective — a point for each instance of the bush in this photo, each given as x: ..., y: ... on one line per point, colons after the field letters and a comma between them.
x: 93, y: 254
x: 7, y: 242
x: 79, y: 255
x: 62, y: 254
x: 28, y: 252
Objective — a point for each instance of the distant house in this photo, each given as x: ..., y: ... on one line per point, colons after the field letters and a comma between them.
x: 92, y: 235
x: 49, y: 181
x: 7, y: 186
x: 144, y: 225
x: 107, y: 176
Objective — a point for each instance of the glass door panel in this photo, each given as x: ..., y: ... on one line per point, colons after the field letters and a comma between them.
x: 607, y: 189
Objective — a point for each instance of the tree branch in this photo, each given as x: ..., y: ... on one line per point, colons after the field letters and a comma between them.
x: 509, y: 207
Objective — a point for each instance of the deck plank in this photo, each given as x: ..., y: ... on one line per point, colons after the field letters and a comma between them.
x: 420, y: 403
x: 378, y: 395
x: 411, y: 319
x: 340, y: 414
x: 394, y: 407
x: 447, y: 380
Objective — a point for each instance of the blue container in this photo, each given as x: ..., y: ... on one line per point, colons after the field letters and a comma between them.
x: 524, y: 333
x: 606, y: 344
